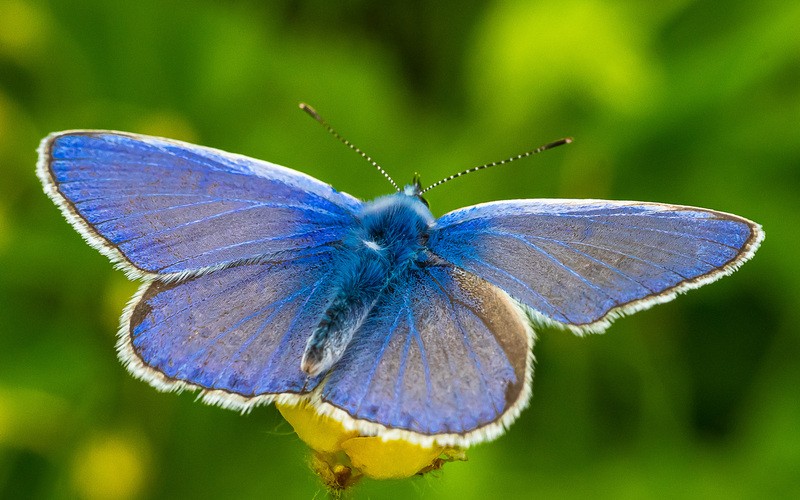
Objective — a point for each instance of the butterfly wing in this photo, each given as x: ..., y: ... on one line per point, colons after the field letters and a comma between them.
x: 165, y: 208
x: 581, y: 263
x: 444, y: 357
x: 237, y: 333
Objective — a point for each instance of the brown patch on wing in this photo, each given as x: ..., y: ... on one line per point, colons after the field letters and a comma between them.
x: 143, y: 308
x: 500, y: 316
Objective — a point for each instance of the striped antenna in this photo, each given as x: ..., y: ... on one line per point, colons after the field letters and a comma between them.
x: 313, y: 113
x: 551, y: 145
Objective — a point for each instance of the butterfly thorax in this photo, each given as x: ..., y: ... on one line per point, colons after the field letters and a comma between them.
x: 388, y: 241
x: 394, y: 227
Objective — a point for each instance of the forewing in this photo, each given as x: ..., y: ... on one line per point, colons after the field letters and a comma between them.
x: 158, y: 206
x: 236, y: 333
x: 445, y: 357
x: 581, y: 263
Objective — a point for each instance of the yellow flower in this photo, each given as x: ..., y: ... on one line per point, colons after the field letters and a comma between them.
x: 341, y: 457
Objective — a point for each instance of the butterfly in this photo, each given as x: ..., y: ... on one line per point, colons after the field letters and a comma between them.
x: 262, y: 284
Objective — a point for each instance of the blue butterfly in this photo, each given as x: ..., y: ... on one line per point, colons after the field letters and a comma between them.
x: 263, y: 284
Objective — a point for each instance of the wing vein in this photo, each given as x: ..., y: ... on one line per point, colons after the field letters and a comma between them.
x: 277, y: 305
x: 591, y: 219
x: 279, y: 348
x: 423, y: 357
x: 379, y: 357
x: 260, y: 240
x: 549, y: 256
x: 234, y: 284
x: 524, y: 285
x: 468, y: 346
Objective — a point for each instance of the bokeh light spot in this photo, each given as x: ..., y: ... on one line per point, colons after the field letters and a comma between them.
x: 531, y: 52
x: 21, y: 26
x: 110, y: 466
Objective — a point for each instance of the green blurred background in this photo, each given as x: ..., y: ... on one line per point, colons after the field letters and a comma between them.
x: 688, y: 102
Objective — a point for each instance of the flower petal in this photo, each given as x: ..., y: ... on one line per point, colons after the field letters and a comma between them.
x: 381, y: 459
x: 321, y: 433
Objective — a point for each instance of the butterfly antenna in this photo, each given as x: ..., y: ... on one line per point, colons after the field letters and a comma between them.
x: 526, y: 154
x: 313, y: 113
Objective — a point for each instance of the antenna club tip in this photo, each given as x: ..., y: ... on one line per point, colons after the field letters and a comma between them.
x: 568, y: 140
x: 311, y: 111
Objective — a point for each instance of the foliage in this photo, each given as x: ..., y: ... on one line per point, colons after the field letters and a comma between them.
x: 682, y: 102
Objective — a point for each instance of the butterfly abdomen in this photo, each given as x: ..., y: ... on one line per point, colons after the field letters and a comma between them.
x: 388, y: 241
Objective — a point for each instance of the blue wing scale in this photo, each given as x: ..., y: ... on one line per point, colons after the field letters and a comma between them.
x: 579, y: 263
x: 162, y: 207
x: 444, y: 354
x: 237, y: 333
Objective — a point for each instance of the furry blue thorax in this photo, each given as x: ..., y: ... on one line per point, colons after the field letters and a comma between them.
x: 388, y: 240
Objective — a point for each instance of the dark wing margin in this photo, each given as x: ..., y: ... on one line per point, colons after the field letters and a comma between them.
x: 164, y: 208
x: 236, y: 334
x: 580, y: 264
x: 446, y: 358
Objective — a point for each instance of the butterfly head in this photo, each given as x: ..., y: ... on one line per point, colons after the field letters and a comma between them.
x: 415, y: 189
